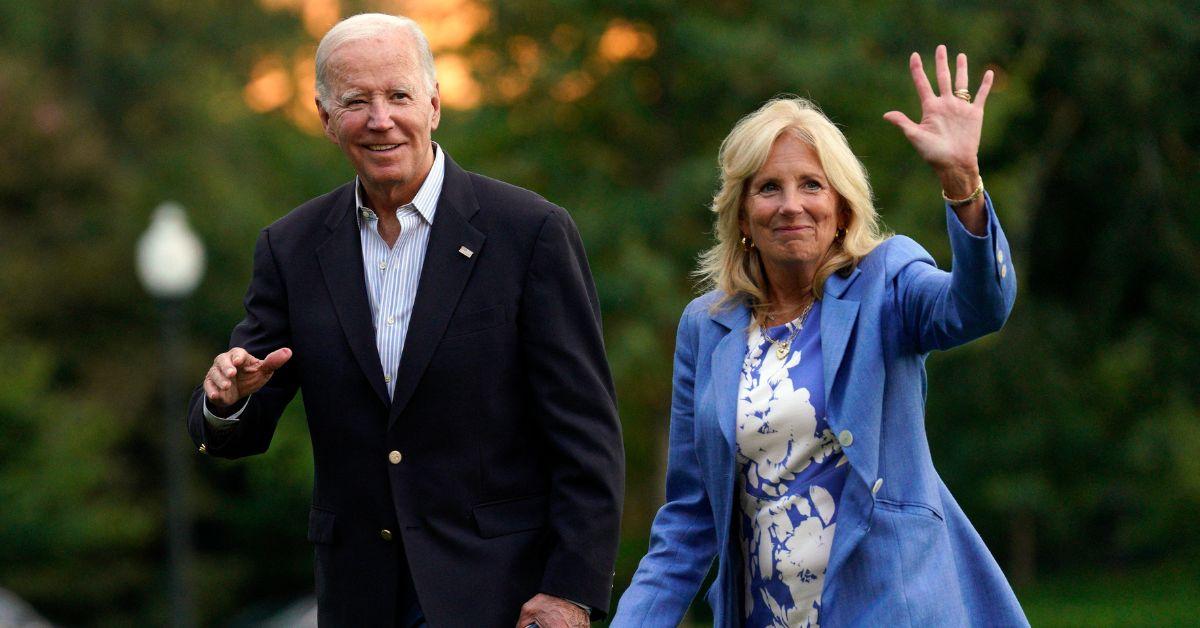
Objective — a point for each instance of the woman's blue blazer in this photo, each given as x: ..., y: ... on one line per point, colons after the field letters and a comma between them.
x: 904, y: 554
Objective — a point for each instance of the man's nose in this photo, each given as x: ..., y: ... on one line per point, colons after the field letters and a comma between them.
x: 379, y: 116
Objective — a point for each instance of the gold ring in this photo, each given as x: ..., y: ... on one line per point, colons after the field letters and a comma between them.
x: 964, y: 94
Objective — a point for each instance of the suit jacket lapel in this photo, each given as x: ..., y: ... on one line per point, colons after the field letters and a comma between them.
x: 340, y: 257
x: 443, y: 277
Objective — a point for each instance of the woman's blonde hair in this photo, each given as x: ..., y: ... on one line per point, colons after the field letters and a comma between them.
x: 738, y: 272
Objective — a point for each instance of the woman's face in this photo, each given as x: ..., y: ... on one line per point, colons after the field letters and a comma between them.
x: 791, y: 212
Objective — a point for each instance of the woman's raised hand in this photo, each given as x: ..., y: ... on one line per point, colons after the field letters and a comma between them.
x: 947, y: 137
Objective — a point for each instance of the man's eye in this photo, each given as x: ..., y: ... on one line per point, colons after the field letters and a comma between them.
x: 399, y: 95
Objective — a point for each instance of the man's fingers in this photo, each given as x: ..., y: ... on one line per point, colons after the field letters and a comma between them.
x: 223, y: 366
x: 210, y: 389
x: 943, y: 70
x: 920, y: 81
x: 276, y: 359
x: 217, y: 376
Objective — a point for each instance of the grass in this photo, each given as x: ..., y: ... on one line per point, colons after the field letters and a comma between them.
x: 1159, y: 596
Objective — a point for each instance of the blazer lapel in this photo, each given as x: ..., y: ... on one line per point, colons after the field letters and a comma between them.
x: 340, y: 257
x: 837, y: 321
x: 443, y: 277
x: 726, y: 366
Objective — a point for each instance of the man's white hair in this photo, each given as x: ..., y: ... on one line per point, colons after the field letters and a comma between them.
x: 366, y: 26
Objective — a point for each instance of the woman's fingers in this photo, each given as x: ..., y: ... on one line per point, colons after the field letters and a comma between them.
x: 962, y: 80
x: 943, y: 70
x: 985, y: 86
x: 920, y: 81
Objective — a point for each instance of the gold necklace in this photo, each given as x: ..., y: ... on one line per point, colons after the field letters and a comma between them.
x: 783, y: 346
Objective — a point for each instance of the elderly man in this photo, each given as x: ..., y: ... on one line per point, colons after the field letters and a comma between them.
x: 444, y: 330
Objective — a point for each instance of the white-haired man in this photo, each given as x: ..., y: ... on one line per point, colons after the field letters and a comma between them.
x: 444, y: 331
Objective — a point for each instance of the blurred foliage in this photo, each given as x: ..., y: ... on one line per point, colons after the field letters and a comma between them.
x: 1069, y: 438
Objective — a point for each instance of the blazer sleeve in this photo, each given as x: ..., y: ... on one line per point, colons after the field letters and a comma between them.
x: 572, y: 398
x: 264, y: 329
x: 683, y: 537
x: 942, y: 309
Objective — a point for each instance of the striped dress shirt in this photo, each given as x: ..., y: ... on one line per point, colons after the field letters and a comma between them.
x: 392, y: 273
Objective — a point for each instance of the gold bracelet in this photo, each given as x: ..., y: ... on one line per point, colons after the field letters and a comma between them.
x: 958, y: 202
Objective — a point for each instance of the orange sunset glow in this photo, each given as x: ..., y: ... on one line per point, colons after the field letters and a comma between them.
x: 283, y: 83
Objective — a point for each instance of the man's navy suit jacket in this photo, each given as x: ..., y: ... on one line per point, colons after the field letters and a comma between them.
x: 511, y: 472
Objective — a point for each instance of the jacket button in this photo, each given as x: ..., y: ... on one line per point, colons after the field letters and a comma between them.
x: 846, y: 438
x: 395, y: 457
x: 385, y: 534
x: 877, y: 486
x: 203, y: 448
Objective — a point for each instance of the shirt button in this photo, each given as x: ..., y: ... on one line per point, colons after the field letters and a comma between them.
x: 385, y: 534
x: 846, y: 438
x: 395, y: 457
x: 877, y: 486
x: 382, y: 264
x: 391, y: 320
x: 387, y: 379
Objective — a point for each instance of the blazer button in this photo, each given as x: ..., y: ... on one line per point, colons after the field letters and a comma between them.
x: 877, y: 486
x: 846, y: 438
x: 203, y: 448
x: 385, y: 534
x: 395, y: 457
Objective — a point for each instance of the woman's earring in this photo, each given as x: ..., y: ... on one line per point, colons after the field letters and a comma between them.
x: 747, y: 244
x: 840, y: 234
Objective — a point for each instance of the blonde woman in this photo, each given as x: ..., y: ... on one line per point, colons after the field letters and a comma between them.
x: 798, y: 456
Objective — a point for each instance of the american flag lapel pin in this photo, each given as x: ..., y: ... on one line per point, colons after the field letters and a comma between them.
x: 467, y: 253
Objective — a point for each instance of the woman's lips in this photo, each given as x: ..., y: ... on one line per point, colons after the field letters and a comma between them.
x: 794, y: 228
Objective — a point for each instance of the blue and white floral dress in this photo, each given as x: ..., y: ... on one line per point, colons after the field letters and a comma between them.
x: 791, y: 471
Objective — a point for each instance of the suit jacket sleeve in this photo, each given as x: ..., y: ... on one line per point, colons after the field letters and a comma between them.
x: 571, y: 395
x: 683, y: 538
x: 942, y: 309
x: 264, y: 329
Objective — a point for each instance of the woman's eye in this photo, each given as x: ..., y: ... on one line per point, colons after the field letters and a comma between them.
x: 769, y: 186
x: 812, y: 185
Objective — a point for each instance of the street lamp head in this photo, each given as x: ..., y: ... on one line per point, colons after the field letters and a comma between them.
x: 170, y: 258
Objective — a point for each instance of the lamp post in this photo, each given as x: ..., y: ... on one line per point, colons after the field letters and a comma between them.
x: 170, y: 263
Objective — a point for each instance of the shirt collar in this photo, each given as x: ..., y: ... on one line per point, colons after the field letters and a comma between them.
x: 425, y: 202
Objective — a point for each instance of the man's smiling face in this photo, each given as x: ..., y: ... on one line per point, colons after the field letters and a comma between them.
x: 382, y: 113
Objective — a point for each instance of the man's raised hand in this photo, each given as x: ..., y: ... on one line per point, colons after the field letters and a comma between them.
x: 236, y: 374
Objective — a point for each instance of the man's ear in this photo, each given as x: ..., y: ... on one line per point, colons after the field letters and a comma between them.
x: 325, y: 124
x: 436, y: 101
